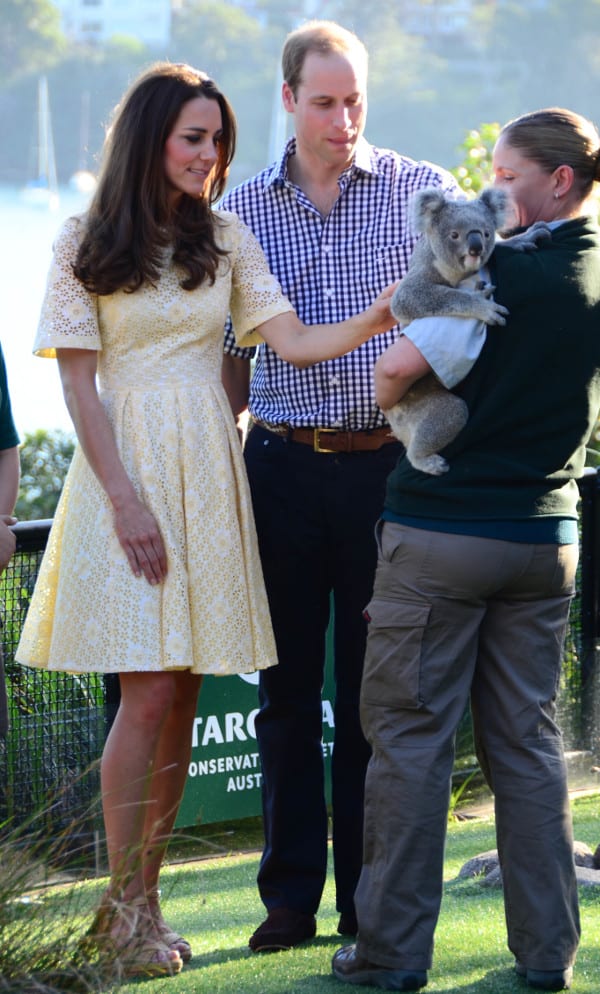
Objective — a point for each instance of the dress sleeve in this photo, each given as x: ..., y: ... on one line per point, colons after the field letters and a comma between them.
x: 256, y: 294
x: 69, y: 315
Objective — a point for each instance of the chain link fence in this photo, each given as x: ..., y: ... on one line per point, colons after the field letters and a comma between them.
x: 59, y: 722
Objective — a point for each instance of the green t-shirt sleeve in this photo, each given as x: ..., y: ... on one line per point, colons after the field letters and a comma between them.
x: 8, y: 433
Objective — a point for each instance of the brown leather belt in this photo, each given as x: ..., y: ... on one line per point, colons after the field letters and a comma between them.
x: 333, y: 440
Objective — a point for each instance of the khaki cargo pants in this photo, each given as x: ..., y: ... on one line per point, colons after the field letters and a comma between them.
x: 454, y: 618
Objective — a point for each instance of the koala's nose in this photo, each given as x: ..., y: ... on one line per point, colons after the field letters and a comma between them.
x: 474, y: 243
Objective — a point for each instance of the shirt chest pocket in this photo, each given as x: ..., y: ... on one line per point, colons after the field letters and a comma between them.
x: 382, y: 265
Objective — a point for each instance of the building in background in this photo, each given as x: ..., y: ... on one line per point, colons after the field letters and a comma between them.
x: 97, y: 21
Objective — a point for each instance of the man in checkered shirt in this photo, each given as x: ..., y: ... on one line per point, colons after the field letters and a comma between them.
x: 332, y: 218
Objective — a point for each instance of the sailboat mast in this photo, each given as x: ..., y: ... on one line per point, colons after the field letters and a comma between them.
x: 43, y: 129
x: 42, y: 189
x: 84, y: 129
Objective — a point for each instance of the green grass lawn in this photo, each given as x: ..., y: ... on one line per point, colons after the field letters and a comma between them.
x: 215, y: 904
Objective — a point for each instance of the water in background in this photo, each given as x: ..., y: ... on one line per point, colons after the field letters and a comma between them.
x: 26, y: 236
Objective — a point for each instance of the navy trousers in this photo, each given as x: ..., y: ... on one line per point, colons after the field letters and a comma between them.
x: 315, y: 516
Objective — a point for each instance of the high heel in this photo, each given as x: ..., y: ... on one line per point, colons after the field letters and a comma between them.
x: 125, y: 933
x: 171, y: 938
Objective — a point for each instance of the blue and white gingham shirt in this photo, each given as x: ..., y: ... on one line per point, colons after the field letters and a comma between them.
x: 330, y: 268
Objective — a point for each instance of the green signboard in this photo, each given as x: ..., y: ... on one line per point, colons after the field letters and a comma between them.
x: 224, y: 776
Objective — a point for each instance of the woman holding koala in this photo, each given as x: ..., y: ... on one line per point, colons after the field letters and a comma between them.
x: 475, y: 577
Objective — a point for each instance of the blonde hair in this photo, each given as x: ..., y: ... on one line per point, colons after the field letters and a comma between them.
x: 323, y: 37
x: 555, y: 137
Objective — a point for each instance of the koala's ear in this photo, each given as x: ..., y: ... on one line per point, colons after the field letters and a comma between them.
x: 496, y: 200
x: 425, y: 205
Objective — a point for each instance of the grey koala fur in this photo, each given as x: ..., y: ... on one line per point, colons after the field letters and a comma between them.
x: 458, y: 237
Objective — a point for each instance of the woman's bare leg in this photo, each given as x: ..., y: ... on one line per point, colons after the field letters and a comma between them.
x: 128, y: 766
x: 166, y: 790
x: 171, y: 764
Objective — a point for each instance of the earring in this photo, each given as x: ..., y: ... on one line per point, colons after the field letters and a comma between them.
x: 556, y: 196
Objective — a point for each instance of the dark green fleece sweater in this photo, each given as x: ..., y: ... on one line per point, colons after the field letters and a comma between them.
x: 533, y: 394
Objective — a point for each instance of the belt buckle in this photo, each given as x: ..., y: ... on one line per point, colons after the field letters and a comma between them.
x: 317, y: 447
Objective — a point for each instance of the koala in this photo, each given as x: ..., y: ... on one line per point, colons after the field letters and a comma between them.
x: 458, y: 237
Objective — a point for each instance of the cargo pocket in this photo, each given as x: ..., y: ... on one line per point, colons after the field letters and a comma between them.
x: 392, y: 673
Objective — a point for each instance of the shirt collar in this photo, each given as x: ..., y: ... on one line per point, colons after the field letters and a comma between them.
x: 364, y: 161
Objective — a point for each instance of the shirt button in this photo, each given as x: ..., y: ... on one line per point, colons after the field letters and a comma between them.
x: 334, y: 381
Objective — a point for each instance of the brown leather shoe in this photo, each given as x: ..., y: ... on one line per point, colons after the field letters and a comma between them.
x: 351, y: 968
x: 546, y: 980
x: 282, y: 929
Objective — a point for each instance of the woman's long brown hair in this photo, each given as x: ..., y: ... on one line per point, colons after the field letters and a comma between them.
x: 130, y: 220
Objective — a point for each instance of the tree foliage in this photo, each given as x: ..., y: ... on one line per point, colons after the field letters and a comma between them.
x: 30, y: 39
x: 475, y: 170
x: 436, y: 69
x: 45, y: 459
x: 241, y: 53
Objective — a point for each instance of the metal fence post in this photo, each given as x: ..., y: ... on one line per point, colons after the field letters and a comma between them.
x: 589, y: 487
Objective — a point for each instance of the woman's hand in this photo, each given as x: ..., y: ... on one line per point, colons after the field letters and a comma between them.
x: 8, y: 541
x: 141, y: 540
x: 135, y: 526
x: 379, y: 316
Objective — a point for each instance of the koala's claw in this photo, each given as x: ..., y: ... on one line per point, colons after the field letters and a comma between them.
x: 538, y: 232
x: 529, y: 240
x: 435, y: 464
x: 497, y: 315
x: 541, y: 230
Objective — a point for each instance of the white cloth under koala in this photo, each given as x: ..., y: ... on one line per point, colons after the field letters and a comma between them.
x: 451, y: 346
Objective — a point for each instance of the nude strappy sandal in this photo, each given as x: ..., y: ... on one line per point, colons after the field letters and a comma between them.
x: 171, y: 938
x: 124, y: 933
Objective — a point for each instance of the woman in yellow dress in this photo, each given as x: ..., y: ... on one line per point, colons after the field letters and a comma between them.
x: 152, y: 568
